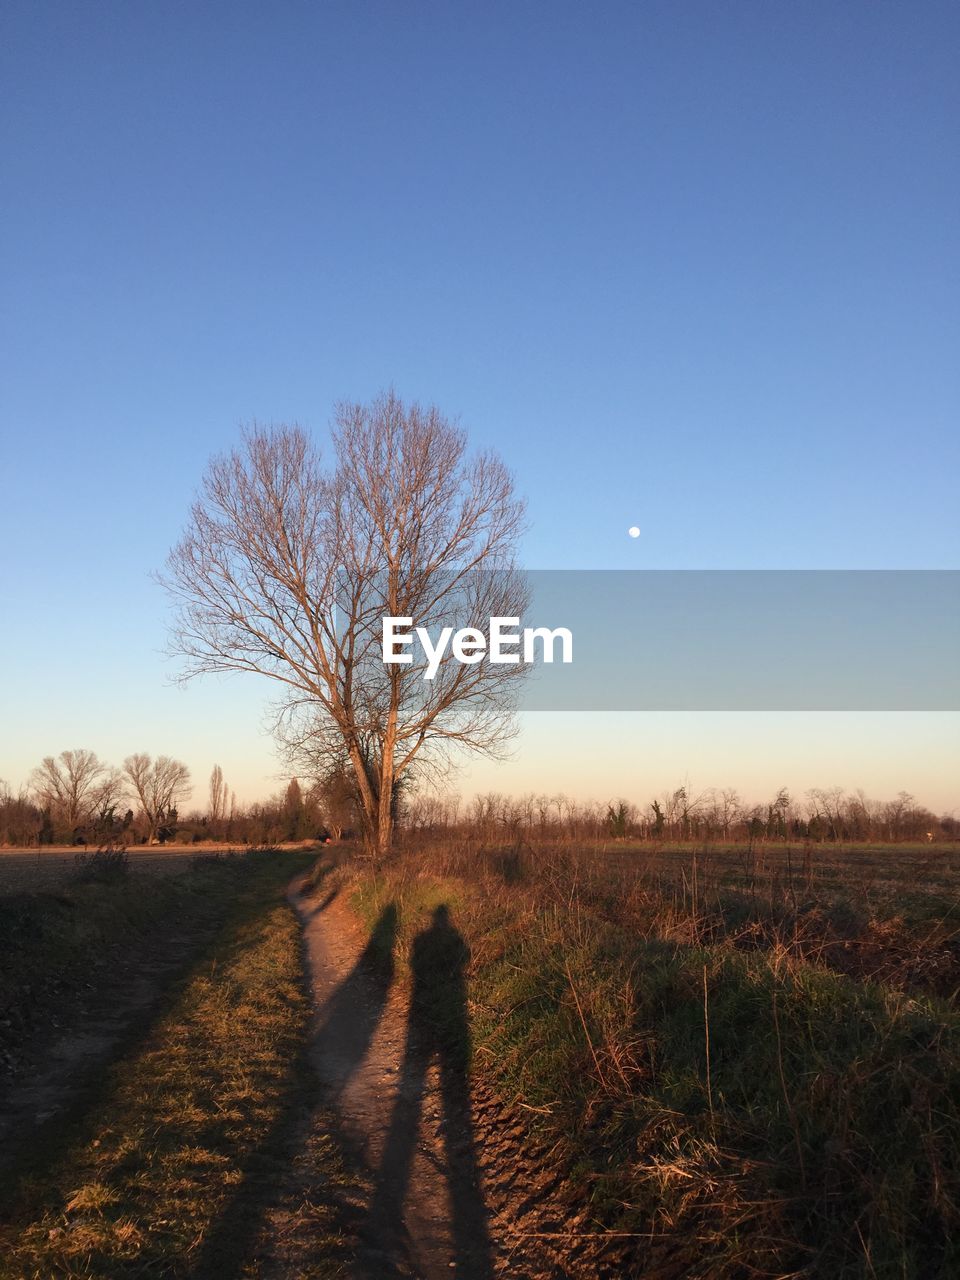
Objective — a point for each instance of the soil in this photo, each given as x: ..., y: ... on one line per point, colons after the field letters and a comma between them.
x: 453, y: 1185
x: 441, y: 1177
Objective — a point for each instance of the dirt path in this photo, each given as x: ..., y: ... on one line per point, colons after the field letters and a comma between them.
x: 454, y: 1188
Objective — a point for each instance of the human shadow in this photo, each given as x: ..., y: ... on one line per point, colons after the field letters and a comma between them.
x: 437, y: 1029
x: 349, y: 1018
x: 345, y: 1026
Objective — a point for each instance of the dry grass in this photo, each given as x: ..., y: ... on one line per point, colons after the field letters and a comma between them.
x: 691, y: 1049
x: 173, y: 1170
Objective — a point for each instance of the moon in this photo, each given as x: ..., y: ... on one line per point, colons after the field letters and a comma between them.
x: 633, y: 531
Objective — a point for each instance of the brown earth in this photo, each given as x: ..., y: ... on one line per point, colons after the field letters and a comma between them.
x: 453, y: 1185
x: 444, y: 1179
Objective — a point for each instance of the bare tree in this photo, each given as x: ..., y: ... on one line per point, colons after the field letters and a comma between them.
x: 896, y: 811
x: 160, y: 786
x: 218, y: 795
x: 287, y: 569
x: 75, y: 787
x: 826, y: 807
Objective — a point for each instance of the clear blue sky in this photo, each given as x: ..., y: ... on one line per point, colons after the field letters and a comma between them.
x: 691, y: 267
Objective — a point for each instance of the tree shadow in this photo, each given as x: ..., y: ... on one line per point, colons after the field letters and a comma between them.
x: 322, y: 905
x: 35, y: 1142
x: 309, y: 888
x: 437, y: 1028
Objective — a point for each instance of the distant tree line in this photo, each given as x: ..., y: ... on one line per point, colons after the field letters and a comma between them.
x: 830, y: 814
x: 318, y: 810
x: 76, y: 798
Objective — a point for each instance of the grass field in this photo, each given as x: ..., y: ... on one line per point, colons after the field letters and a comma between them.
x: 752, y: 1065
x: 887, y: 912
x: 745, y: 1061
x: 168, y: 1166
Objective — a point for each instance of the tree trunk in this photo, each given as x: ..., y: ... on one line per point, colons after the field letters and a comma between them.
x: 385, y: 815
x: 367, y: 798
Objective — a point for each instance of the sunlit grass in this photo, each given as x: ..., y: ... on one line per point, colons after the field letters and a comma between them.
x: 751, y: 1112
x: 193, y: 1128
